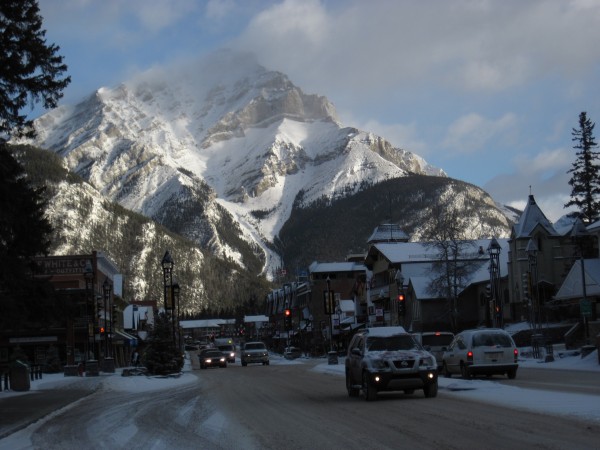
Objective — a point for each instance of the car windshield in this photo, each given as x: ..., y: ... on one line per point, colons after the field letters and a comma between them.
x: 254, y: 346
x: 390, y: 343
x: 491, y: 340
x: 436, y: 340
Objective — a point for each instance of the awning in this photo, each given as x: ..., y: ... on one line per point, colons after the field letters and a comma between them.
x: 127, y: 339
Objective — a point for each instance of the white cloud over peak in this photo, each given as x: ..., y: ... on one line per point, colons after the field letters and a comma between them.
x: 472, y: 132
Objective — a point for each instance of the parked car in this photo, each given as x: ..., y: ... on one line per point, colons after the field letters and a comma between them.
x: 212, y: 357
x: 254, y: 352
x: 229, y: 351
x: 388, y: 359
x: 435, y: 342
x: 292, y: 353
x: 486, y: 351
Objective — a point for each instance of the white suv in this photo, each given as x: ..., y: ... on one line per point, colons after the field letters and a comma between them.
x: 388, y: 359
x: 486, y: 351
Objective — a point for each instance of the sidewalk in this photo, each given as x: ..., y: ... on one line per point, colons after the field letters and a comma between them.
x: 19, y: 409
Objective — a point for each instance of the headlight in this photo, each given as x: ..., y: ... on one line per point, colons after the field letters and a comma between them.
x: 378, y: 364
x: 427, y: 362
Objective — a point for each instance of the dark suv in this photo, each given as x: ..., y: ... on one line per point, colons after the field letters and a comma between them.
x: 389, y: 359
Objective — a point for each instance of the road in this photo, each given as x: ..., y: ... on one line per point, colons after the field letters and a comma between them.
x: 292, y: 407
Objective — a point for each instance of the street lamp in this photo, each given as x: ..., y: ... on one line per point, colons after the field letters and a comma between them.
x: 175, y: 289
x: 167, y: 266
x: 579, y: 235
x: 329, y: 311
x: 88, y: 275
x: 531, y: 249
x: 494, y: 252
x: 106, y: 288
x: 400, y: 298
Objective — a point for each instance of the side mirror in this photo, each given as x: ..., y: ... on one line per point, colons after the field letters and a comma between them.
x: 355, y: 351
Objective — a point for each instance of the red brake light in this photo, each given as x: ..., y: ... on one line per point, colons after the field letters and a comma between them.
x: 437, y: 333
x: 516, y: 351
x: 469, y: 356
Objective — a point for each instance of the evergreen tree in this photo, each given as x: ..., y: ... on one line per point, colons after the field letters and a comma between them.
x: 585, y: 178
x: 161, y: 356
x: 30, y: 70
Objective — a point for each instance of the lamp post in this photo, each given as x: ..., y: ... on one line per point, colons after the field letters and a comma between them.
x: 175, y: 289
x: 167, y: 266
x: 106, y: 287
x: 531, y: 249
x: 494, y: 252
x: 578, y: 235
x: 399, y: 308
x: 88, y: 275
x: 330, y: 312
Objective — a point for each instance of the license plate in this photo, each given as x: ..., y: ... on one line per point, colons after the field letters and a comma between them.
x: 493, y: 356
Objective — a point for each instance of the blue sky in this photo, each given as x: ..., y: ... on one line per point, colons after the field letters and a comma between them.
x: 487, y: 90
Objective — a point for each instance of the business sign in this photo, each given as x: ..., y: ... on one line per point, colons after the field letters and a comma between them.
x: 62, y: 265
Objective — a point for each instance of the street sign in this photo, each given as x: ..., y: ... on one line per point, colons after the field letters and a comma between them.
x: 585, y: 306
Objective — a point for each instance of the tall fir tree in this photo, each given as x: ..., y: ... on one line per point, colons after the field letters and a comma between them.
x: 585, y: 178
x: 30, y: 72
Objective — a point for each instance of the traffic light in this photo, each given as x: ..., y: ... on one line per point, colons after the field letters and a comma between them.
x: 488, y: 292
x: 401, y: 304
x: 287, y: 319
x: 115, y: 315
x: 102, y: 330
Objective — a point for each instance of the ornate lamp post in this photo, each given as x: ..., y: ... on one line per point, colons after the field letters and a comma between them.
x: 167, y: 266
x: 175, y: 289
x: 579, y: 235
x: 109, y: 364
x: 536, y: 314
x: 494, y: 252
x: 88, y: 275
x: 399, y: 304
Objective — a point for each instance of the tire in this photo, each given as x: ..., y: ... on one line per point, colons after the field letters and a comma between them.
x: 430, y: 390
x: 446, y: 372
x: 368, y: 388
x: 511, y: 374
x: 352, y: 391
x: 464, y: 371
x: 244, y: 364
x: 409, y: 391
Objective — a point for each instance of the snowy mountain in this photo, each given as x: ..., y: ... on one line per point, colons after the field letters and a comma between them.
x: 220, y: 141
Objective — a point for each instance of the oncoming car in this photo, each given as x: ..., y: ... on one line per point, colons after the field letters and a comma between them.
x: 212, y: 358
x: 254, y: 352
x: 229, y: 351
x: 485, y: 351
x: 388, y: 359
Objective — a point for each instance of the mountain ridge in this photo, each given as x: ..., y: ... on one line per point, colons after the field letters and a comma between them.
x: 235, y: 140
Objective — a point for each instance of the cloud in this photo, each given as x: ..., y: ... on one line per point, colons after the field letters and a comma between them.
x: 472, y: 132
x: 543, y: 174
x: 468, y: 45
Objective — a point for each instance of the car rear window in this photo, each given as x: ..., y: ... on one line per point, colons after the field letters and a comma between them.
x: 254, y: 346
x: 492, y: 340
x: 390, y: 343
x: 435, y: 340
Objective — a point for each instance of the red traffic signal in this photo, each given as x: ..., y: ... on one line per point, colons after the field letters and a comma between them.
x: 400, y: 297
x: 101, y: 330
x: 288, y: 312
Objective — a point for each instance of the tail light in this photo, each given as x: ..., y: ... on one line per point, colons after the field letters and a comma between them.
x: 516, y: 352
x: 470, y: 356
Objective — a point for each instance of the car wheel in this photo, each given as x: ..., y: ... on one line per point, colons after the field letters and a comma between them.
x: 267, y: 363
x: 447, y: 373
x: 225, y: 365
x: 409, y: 391
x: 464, y: 371
x: 512, y: 373
x: 368, y: 388
x: 430, y: 390
x: 352, y: 391
x: 244, y: 364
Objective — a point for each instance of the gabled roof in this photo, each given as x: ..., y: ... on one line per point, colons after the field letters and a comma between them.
x: 572, y: 286
x: 404, y: 253
x: 332, y: 267
x: 531, y: 218
x: 388, y: 232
